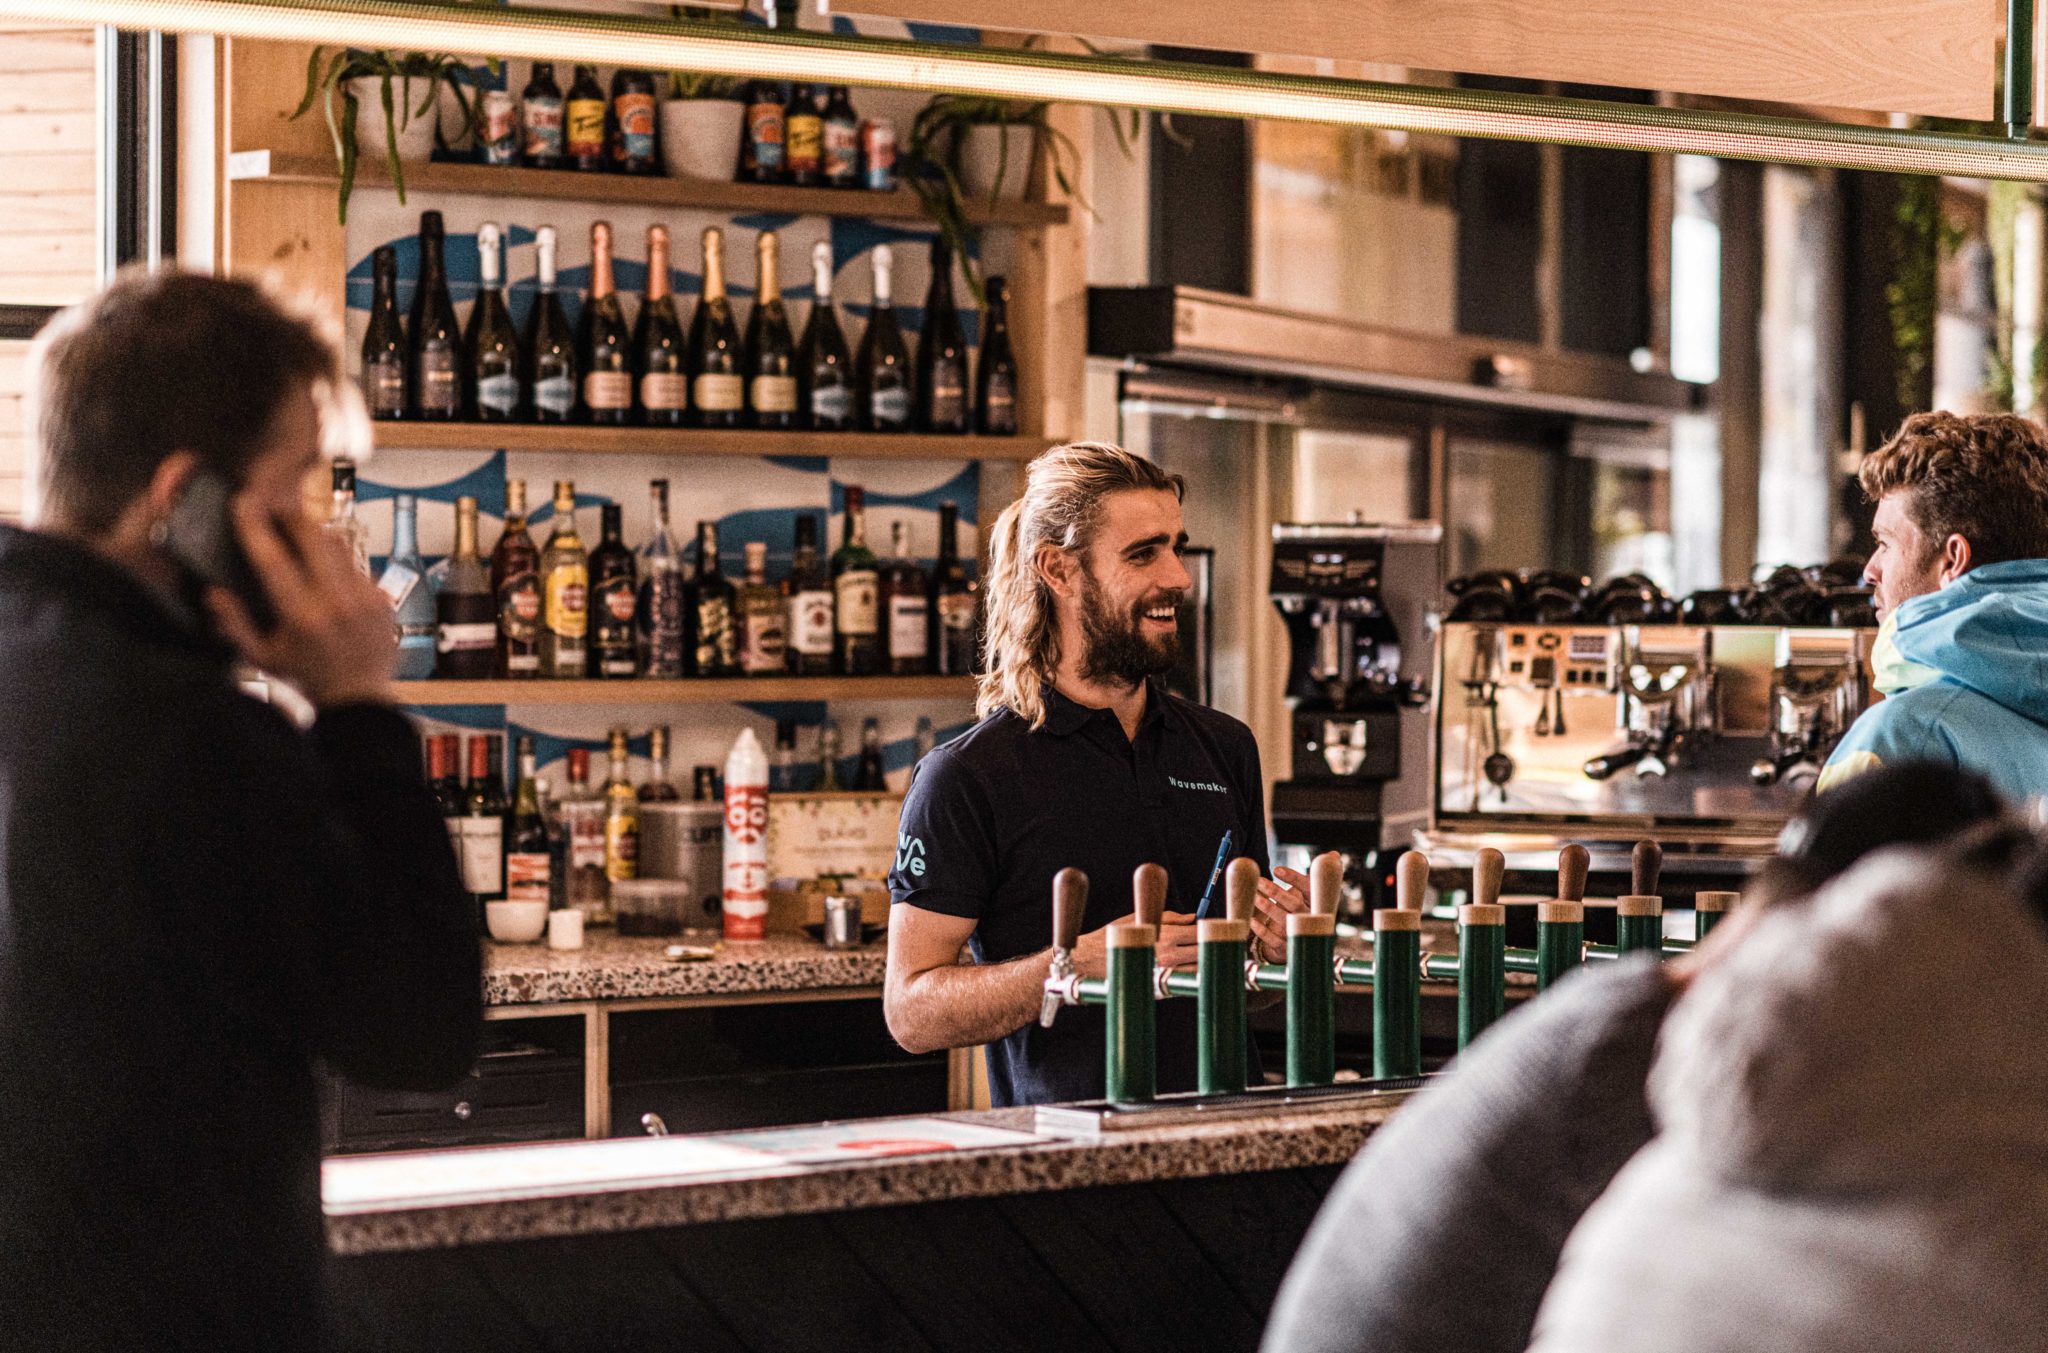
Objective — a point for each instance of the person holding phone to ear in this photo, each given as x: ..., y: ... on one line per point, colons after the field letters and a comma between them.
x: 198, y: 898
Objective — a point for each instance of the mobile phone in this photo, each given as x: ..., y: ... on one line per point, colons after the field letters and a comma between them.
x: 200, y: 534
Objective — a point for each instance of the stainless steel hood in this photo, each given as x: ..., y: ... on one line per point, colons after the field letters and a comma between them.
x: 1213, y: 330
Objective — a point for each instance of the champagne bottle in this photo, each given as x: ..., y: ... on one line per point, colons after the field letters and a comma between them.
x: 770, y: 353
x: 809, y: 631
x: 540, y: 118
x: 528, y: 861
x: 823, y: 367
x: 550, y: 346
x: 717, y: 389
x: 632, y: 140
x: 614, y: 597
x: 763, y: 618
x: 384, y: 347
x: 434, y: 362
x: 881, y: 373
x: 953, y: 602
x: 855, y: 582
x: 494, y: 357
x: 664, y: 633
x: 942, y: 353
x: 515, y: 584
x: 906, y: 605
x: 465, y: 612
x: 565, y: 590
x: 483, y: 825
x: 658, y: 352
x: 405, y: 582
x: 604, y: 351
x: 583, y: 122
x: 714, y: 644
x: 804, y: 138
x: 995, y: 382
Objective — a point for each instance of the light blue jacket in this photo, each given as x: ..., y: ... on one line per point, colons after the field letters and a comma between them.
x: 1965, y: 678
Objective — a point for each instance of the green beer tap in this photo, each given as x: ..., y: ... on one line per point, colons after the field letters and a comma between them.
x: 1639, y: 917
x: 1482, y: 949
x: 1312, y: 977
x: 1561, y: 924
x: 1220, y: 972
x: 1130, y: 1049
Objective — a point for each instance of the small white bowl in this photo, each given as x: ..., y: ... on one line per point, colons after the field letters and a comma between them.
x: 516, y: 922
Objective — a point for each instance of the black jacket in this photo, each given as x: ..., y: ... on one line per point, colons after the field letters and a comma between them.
x: 196, y: 902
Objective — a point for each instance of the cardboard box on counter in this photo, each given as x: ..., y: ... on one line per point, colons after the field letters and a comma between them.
x: 830, y: 842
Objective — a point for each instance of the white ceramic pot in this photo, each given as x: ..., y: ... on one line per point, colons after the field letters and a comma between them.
x: 989, y: 150
x: 700, y: 138
x: 415, y: 131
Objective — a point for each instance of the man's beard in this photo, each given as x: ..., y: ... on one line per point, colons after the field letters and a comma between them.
x: 1116, y: 649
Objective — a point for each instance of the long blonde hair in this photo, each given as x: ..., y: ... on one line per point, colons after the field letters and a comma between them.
x: 1061, y: 506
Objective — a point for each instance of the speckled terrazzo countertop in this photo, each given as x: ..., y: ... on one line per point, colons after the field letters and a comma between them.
x: 613, y: 967
x: 1275, y: 1140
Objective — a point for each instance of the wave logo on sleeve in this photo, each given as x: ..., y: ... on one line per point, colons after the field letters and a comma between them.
x: 909, y: 855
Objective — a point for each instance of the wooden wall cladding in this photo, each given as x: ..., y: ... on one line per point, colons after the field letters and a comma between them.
x: 1933, y: 57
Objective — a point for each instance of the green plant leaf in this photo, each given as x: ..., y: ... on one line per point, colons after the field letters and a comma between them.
x: 391, y: 142
x: 346, y: 140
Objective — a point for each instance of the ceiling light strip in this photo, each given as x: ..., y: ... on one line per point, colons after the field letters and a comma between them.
x: 608, y: 39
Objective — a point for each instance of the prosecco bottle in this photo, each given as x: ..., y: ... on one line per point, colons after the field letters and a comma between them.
x: 942, y: 353
x: 604, y: 346
x: 658, y: 350
x: 434, y: 356
x: 550, y: 346
x: 995, y: 381
x: 824, y: 368
x: 771, y: 352
x: 384, y: 347
x: 717, y: 388
x: 495, y: 361
x: 881, y: 373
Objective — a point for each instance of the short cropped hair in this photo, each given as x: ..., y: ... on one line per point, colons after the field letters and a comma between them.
x: 1983, y: 477
x: 157, y: 363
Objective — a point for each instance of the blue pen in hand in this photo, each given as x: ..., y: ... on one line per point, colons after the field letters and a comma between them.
x: 1215, y: 872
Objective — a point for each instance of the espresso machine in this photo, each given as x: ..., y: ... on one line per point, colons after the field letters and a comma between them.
x: 1358, y: 602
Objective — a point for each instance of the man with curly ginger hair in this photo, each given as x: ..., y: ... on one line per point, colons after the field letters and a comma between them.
x: 1961, y: 572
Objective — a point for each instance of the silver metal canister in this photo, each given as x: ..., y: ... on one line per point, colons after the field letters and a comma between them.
x: 686, y: 842
x: 842, y: 923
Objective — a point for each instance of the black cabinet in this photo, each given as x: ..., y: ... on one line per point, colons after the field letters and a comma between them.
x: 527, y: 1086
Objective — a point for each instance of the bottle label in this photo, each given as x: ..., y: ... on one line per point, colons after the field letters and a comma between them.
x: 608, y: 390
x: 956, y: 611
x: 500, y: 127
x: 664, y: 621
x: 616, y: 604
x: 890, y: 407
x: 584, y: 129
x: 855, y: 592
x: 764, y: 135
x: 520, y: 663
x: 555, y: 395
x: 718, y: 394
x: 999, y: 408
x: 621, y: 845
x: 499, y: 394
x: 586, y: 834
x: 665, y: 390
x: 842, y: 151
x: 806, y: 144
x: 519, y: 608
x: 773, y: 394
x: 466, y: 638
x: 810, y: 623
x: 949, y: 396
x: 482, y: 854
x: 832, y: 402
x: 543, y: 119
x: 764, y: 642
x: 384, y: 386
x: 567, y: 598
x: 527, y: 877
x: 714, y: 637
x: 435, y: 382
x: 745, y: 903
x: 636, y: 126
x: 906, y: 627
x: 415, y: 634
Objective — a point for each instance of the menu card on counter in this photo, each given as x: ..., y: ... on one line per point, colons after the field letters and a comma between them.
x: 876, y: 1138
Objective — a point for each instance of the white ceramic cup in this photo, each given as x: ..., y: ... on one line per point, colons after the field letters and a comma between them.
x: 565, y: 928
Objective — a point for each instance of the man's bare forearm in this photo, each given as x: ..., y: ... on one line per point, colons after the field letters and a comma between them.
x: 958, y: 1006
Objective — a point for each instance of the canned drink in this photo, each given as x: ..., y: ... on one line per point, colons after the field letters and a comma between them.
x: 878, y: 154
x: 500, y: 127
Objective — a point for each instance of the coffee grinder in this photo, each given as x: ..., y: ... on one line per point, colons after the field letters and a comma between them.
x: 1357, y: 778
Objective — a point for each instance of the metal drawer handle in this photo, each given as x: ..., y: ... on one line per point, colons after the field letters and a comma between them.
x: 463, y: 1111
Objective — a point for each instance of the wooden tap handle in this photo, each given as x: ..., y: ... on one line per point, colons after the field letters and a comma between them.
x: 1325, y: 883
x: 1487, y: 870
x: 1240, y: 889
x: 1411, y: 880
x: 1069, y: 905
x: 1148, y: 894
x: 1572, y: 864
x: 1646, y: 863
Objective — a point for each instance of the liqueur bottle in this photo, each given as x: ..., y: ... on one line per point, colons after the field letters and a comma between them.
x: 763, y: 618
x: 614, y: 597
x: 857, y: 639
x: 657, y: 788
x: 540, y: 119
x: 828, y: 757
x: 550, y: 345
x: 824, y: 367
x: 870, y: 777
x: 529, y: 863
x: 466, y: 625
x: 954, y: 598
x: 483, y: 824
x: 659, y: 356
x: 906, y: 602
x: 583, y: 122
x: 384, y: 347
x: 717, y: 387
x: 664, y: 631
x: 495, y: 361
x: 343, y: 523
x: 604, y: 345
x: 434, y: 356
x: 714, y: 643
x: 405, y: 581
x: 565, y: 588
x: 621, y: 818
x: 770, y: 352
x: 942, y: 353
x: 515, y: 585
x: 808, y: 633
x: 995, y: 381
x: 881, y: 372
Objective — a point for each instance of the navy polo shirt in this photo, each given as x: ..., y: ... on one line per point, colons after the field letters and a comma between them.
x: 991, y: 817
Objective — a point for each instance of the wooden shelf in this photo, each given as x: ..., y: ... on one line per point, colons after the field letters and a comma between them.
x: 266, y: 166
x: 650, y: 692
x: 581, y: 438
